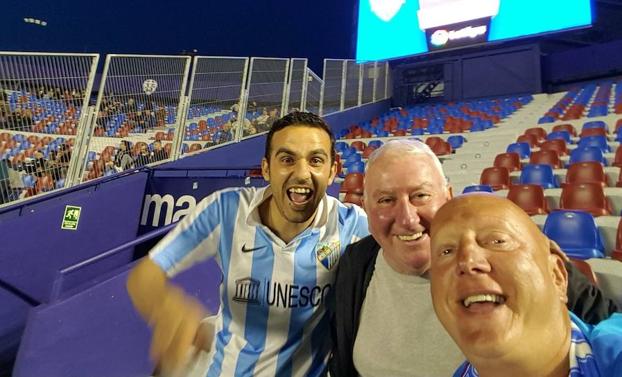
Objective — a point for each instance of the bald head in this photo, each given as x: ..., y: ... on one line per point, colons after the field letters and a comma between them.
x: 498, y: 283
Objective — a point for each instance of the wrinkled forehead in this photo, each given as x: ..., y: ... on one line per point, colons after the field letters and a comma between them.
x: 481, y: 209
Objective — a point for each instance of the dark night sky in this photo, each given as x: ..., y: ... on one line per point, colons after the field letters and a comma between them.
x: 315, y: 29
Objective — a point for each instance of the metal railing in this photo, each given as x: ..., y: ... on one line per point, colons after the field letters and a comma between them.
x: 145, y: 113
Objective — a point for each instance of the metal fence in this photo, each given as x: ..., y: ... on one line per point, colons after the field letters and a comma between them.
x: 51, y: 138
x: 352, y: 80
x: 137, y: 115
x: 297, y: 84
x: 216, y: 95
x: 267, y: 89
x: 313, y: 93
x: 43, y: 98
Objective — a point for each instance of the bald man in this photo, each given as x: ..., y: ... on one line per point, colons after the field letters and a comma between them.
x: 499, y: 288
x: 384, y: 323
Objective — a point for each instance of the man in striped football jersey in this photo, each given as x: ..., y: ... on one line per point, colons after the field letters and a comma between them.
x: 277, y: 247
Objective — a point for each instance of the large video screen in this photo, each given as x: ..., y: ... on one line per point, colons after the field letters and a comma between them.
x: 395, y: 28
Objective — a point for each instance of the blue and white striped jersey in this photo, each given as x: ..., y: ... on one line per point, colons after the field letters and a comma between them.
x: 271, y: 320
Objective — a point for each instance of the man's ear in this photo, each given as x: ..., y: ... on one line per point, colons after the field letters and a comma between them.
x: 265, y: 169
x: 333, y: 173
x: 557, y: 268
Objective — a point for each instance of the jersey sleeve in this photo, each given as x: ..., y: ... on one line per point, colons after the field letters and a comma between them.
x: 195, y: 238
x: 353, y: 221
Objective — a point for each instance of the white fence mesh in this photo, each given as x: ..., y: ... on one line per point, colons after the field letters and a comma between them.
x: 43, y: 98
x: 380, y: 86
x: 332, y: 98
x: 267, y: 84
x: 313, y: 97
x: 297, y: 84
x: 367, y: 82
x: 216, y: 94
x: 352, y: 78
x: 137, y: 114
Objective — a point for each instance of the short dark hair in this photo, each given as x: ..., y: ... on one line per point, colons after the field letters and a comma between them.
x: 299, y: 118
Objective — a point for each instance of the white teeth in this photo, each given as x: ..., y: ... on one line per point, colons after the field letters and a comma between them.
x: 410, y: 237
x: 300, y: 190
x: 483, y: 298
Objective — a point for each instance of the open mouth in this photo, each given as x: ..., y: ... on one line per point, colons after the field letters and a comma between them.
x: 411, y: 237
x: 299, y: 195
x: 483, y: 302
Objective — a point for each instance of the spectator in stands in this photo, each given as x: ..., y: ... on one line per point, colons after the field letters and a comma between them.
x: 123, y: 160
x: 282, y: 240
x: 158, y: 153
x: 227, y: 132
x: 499, y: 287
x: 143, y: 158
x: 382, y: 284
x: 262, y: 121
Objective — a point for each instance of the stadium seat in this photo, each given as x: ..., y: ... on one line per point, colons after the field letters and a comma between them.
x: 510, y: 161
x: 354, y: 198
x: 433, y: 140
x: 617, y: 252
x: 477, y: 188
x: 576, y: 233
x: 530, y: 198
x: 522, y: 149
x: 530, y: 139
x: 588, y: 197
x: 537, y: 174
x: 496, y: 177
x: 593, y: 132
x: 595, y: 141
x: 566, y: 127
x: 558, y: 145
x: 352, y: 183
x: 368, y: 151
x: 587, y: 172
x: 560, y: 135
x: 356, y: 167
x: 547, y: 157
x: 456, y: 141
x: 595, y: 125
x: 375, y: 143
x: 442, y: 148
x: 580, y: 154
x: 617, y: 161
x: 538, y: 132
x: 585, y: 269
x: 358, y: 145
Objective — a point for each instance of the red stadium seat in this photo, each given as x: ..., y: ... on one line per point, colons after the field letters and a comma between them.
x: 530, y: 198
x: 496, y: 177
x: 358, y: 145
x: 353, y: 183
x: 509, y: 160
x: 566, y: 127
x: 546, y: 157
x: 587, y: 172
x: 368, y: 151
x: 433, y: 140
x: 585, y: 269
x: 539, y: 132
x: 557, y: 145
x: 617, y: 160
x: 588, y: 197
x: 354, y: 198
x: 618, y: 126
x: 617, y: 253
x: 441, y: 148
x: 530, y: 139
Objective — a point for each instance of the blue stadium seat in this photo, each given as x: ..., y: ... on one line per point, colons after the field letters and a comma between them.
x: 576, y: 233
x: 595, y: 141
x: 355, y: 167
x: 522, y: 149
x: 417, y: 131
x: 538, y: 174
x: 477, y: 188
x: 581, y: 154
x: 595, y: 124
x: 564, y: 135
x: 375, y: 143
x: 456, y: 141
x: 341, y: 146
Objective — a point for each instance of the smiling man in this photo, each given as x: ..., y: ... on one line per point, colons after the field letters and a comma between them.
x: 277, y: 247
x: 384, y: 322
x: 499, y: 287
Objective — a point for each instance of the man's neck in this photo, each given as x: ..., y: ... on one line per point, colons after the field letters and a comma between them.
x: 285, y: 230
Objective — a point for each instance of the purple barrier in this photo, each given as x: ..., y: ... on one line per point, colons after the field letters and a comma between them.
x: 97, y: 332
x: 34, y: 247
